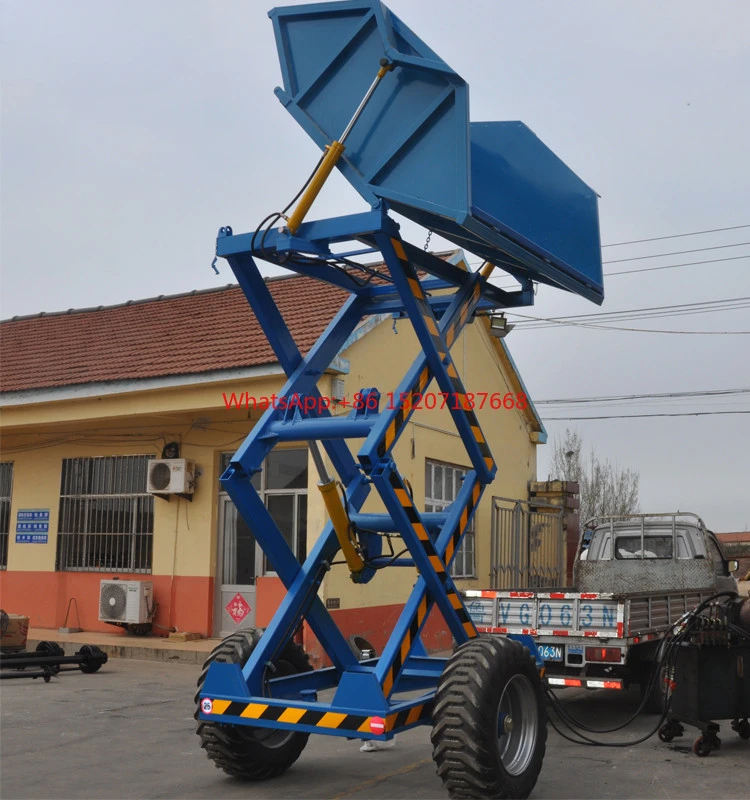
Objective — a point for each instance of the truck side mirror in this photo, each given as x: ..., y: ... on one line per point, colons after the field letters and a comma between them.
x: 733, y: 565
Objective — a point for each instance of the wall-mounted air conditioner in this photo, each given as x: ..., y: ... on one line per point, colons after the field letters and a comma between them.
x: 171, y: 476
x: 130, y: 602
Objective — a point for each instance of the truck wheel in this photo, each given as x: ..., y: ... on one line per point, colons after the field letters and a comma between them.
x: 253, y: 754
x: 657, y: 694
x: 489, y: 723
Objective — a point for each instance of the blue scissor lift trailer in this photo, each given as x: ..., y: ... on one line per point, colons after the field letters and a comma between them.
x: 393, y: 118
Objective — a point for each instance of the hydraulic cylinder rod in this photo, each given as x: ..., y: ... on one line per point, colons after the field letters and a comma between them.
x: 337, y: 512
x: 333, y: 153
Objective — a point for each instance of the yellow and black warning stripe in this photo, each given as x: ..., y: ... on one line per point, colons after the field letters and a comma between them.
x: 409, y: 716
x: 417, y: 389
x: 459, y: 392
x: 403, y: 412
x: 330, y: 720
x: 463, y: 521
x: 438, y: 565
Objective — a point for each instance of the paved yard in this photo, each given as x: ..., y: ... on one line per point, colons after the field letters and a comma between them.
x: 128, y: 732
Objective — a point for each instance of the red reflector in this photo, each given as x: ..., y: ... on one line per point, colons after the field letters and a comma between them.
x: 604, y: 654
x: 612, y: 685
x: 377, y: 725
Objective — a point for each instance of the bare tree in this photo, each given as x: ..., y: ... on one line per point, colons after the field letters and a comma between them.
x: 604, y: 488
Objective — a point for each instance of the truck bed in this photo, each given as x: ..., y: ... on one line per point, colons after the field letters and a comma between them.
x: 597, y: 615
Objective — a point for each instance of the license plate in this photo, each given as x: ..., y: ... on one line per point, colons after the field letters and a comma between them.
x: 550, y: 652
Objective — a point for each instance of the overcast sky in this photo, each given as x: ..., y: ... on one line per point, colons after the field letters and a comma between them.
x: 131, y: 131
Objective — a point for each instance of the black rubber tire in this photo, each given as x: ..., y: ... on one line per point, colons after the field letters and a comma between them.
x: 467, y: 749
x: 702, y: 747
x: 665, y: 733
x: 49, y: 649
x: 657, y: 697
x: 99, y: 657
x: 253, y: 754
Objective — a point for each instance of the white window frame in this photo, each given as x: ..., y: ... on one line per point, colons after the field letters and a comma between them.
x: 465, y: 563
x: 259, y: 482
x: 77, y: 549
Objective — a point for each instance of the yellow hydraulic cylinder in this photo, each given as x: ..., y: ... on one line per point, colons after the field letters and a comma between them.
x: 333, y: 154
x: 340, y: 522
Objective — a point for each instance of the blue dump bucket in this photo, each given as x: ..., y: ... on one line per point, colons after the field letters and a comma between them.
x: 492, y: 188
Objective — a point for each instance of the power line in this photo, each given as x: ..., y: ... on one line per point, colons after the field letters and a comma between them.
x: 529, y: 321
x: 653, y: 330
x: 656, y: 255
x: 673, y: 266
x: 677, y: 253
x: 676, y: 236
x: 644, y: 269
x: 703, y: 306
x: 656, y: 395
x: 637, y: 416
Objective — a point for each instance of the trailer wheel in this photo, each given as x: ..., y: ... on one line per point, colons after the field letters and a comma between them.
x: 50, y: 649
x: 93, y: 659
x: 253, y: 754
x: 490, y: 722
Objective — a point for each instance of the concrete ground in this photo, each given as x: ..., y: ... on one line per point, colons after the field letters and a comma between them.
x: 128, y: 732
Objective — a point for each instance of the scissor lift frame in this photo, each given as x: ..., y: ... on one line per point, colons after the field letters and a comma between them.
x: 367, y: 702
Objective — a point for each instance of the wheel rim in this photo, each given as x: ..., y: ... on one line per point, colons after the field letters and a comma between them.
x: 517, y: 724
x: 276, y: 737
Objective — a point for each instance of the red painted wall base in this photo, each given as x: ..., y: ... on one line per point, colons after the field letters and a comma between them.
x: 184, y: 602
x: 376, y: 624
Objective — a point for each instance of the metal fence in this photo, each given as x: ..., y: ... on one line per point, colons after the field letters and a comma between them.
x: 106, y: 520
x: 6, y: 489
x: 528, y: 545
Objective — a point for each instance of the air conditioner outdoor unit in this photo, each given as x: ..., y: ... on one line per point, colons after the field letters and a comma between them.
x: 171, y: 476
x: 130, y: 602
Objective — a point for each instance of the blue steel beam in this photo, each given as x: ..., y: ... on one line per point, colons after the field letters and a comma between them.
x: 333, y: 230
x: 228, y: 694
x: 455, y: 276
x: 414, y: 615
x: 391, y: 423
x: 437, y: 354
x: 399, y: 504
x: 303, y: 374
x: 320, y: 428
x: 384, y: 524
x: 301, y: 582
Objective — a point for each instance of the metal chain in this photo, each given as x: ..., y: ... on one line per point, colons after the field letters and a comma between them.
x: 427, y: 243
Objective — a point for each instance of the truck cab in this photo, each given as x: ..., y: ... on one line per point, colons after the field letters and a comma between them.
x: 651, y: 553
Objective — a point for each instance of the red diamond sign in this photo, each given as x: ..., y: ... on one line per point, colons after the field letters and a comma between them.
x: 237, y: 608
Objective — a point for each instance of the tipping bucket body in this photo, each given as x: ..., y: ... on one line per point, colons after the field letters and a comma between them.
x: 492, y: 188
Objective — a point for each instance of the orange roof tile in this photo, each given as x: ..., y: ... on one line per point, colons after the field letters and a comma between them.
x: 172, y: 335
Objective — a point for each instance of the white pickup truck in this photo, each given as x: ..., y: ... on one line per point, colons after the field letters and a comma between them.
x: 634, y: 577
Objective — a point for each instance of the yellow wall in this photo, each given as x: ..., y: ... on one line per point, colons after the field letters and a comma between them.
x: 36, y: 484
x: 381, y: 359
x: 196, y: 416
